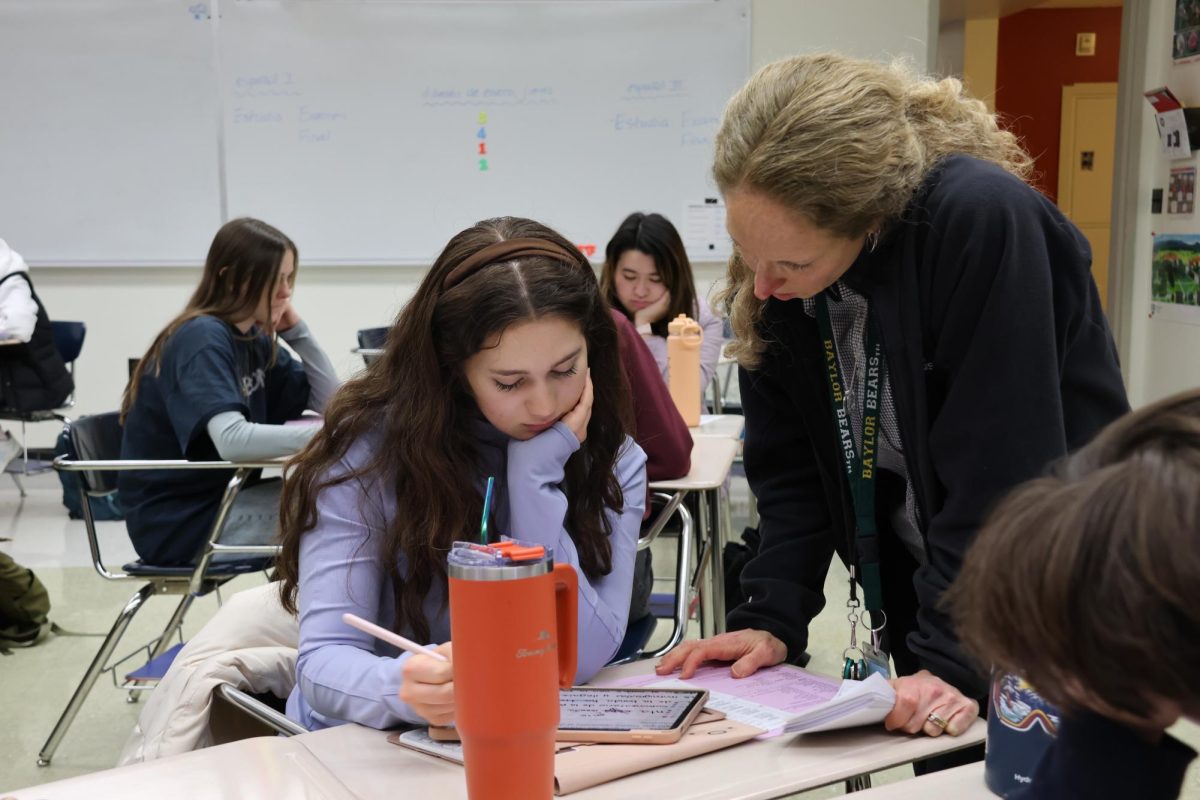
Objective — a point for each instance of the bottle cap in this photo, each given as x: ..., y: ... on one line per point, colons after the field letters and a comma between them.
x: 683, y: 325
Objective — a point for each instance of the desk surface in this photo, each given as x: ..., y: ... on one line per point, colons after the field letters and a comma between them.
x: 355, y: 762
x: 961, y: 783
x: 367, y: 764
x: 712, y: 457
x: 730, y: 425
x: 263, y: 767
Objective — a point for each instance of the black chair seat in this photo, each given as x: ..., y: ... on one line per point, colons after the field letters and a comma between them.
x: 143, y: 570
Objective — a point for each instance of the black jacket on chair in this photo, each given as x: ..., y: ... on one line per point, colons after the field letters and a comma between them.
x: 33, y: 376
x: 1000, y: 361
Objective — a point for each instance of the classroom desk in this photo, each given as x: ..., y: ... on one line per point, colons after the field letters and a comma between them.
x: 961, y: 783
x: 728, y: 425
x: 712, y: 458
x: 351, y: 761
x: 265, y: 767
x: 757, y: 770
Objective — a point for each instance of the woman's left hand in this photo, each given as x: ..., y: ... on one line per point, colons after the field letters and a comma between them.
x: 577, y: 418
x: 923, y: 698
x: 285, y: 318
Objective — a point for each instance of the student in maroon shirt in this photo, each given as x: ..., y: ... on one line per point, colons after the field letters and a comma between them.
x: 660, y: 431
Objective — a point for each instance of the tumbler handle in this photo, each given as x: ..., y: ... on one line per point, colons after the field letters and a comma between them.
x: 566, y: 607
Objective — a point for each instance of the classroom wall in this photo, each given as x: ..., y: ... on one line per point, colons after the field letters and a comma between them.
x: 1035, y: 58
x: 125, y: 307
x: 1162, y: 356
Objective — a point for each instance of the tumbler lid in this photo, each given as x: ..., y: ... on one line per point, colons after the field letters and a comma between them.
x: 508, y: 559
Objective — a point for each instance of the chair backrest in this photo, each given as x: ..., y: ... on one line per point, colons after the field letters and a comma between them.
x: 97, y: 438
x: 68, y: 338
x: 372, y: 338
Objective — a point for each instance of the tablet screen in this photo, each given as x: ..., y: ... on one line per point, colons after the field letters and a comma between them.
x: 625, y: 709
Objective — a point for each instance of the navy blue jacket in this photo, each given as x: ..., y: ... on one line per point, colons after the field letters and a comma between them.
x: 1000, y: 360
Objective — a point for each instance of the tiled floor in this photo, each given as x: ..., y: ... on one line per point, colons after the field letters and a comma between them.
x: 36, y: 683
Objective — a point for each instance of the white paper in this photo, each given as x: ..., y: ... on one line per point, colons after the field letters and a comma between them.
x: 1172, y: 129
x: 857, y: 703
x: 704, y: 234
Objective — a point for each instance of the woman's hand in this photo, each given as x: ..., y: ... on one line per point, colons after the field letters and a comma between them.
x: 428, y: 686
x: 920, y: 695
x: 285, y: 317
x: 578, y: 417
x: 749, y: 650
x: 653, y: 312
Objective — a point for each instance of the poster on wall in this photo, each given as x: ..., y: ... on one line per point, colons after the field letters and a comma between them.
x: 1186, y: 41
x: 1175, y: 277
x: 1181, y: 190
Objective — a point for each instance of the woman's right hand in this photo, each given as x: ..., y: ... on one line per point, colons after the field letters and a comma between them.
x: 749, y: 650
x: 428, y: 686
x: 653, y: 312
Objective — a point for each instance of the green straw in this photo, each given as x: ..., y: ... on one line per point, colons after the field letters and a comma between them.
x: 487, y: 506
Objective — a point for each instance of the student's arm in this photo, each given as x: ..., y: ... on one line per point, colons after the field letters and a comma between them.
x: 714, y: 340
x: 322, y: 378
x: 238, y: 439
x: 18, y: 309
x: 657, y: 345
x: 538, y: 510
x: 660, y: 431
x: 337, y: 670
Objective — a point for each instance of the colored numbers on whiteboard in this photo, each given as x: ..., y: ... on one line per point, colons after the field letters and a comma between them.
x: 482, y: 135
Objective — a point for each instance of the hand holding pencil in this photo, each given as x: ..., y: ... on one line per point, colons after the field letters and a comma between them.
x: 428, y: 686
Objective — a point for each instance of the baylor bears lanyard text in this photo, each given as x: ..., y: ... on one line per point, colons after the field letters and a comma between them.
x: 860, y: 471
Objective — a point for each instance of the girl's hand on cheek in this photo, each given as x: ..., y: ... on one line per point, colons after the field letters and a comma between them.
x: 653, y: 312
x: 578, y: 417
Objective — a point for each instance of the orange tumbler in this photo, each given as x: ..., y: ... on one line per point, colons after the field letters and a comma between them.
x: 513, y: 623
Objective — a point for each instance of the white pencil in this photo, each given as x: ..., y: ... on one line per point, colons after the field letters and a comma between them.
x: 389, y: 637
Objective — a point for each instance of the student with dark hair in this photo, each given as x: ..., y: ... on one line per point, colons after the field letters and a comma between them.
x: 1084, y: 583
x: 505, y: 363
x: 215, y: 385
x: 648, y: 278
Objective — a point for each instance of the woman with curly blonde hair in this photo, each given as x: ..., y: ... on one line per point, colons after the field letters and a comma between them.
x: 918, y: 332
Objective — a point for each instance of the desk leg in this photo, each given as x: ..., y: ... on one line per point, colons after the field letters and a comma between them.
x: 858, y: 783
x: 718, y: 538
x: 702, y: 580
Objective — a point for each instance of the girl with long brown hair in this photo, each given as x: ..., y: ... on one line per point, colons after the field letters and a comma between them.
x: 505, y: 363
x: 215, y: 385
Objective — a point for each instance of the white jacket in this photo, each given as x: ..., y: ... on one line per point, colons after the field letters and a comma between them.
x: 250, y: 643
x: 18, y: 311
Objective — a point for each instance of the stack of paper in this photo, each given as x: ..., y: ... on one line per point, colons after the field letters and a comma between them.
x: 856, y: 703
x: 785, y: 699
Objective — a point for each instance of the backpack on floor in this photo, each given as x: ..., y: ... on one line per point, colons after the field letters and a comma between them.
x: 104, y: 509
x: 24, y: 605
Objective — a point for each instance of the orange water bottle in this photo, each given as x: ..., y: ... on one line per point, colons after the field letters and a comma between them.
x: 513, y: 619
x: 684, y: 337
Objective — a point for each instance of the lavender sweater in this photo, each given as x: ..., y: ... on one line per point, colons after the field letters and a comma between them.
x: 344, y: 675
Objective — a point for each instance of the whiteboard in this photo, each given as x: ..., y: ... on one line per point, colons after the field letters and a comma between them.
x: 108, y: 143
x: 355, y: 126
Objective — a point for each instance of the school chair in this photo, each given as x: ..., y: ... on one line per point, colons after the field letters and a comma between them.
x: 68, y: 340
x: 97, y: 442
x: 677, y: 606
x: 371, y: 339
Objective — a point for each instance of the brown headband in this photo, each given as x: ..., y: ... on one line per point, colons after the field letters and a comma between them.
x: 506, y: 251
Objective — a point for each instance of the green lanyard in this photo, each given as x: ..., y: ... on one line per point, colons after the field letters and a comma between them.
x: 860, y: 468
